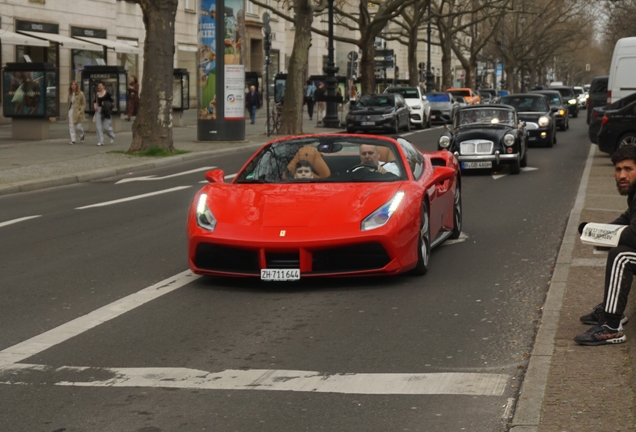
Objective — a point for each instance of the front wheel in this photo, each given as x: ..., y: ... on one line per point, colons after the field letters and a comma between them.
x: 423, y: 244
x: 457, y: 212
x: 524, y: 159
x: 396, y: 127
x: 515, y: 167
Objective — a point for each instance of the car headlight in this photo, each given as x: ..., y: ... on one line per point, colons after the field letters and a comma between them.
x: 382, y: 215
x: 572, y: 101
x: 561, y: 112
x: 205, y: 218
x: 544, y: 121
x: 444, y: 141
x: 509, y: 139
x: 416, y: 107
x: 386, y: 116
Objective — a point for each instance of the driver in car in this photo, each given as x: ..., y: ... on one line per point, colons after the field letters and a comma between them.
x: 370, y: 154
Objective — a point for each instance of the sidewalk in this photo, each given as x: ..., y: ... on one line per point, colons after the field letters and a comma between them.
x: 31, y: 165
x: 567, y: 387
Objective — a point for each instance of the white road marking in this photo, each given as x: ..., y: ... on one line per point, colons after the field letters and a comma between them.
x: 462, y: 238
x: 498, y: 176
x: 154, y: 177
x: 529, y: 169
x: 132, y: 198
x: 508, y: 408
x: 471, y: 384
x: 227, y: 177
x: 79, y: 325
x: 22, y: 219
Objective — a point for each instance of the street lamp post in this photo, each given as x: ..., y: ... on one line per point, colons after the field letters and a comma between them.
x: 331, y: 118
x: 429, y: 75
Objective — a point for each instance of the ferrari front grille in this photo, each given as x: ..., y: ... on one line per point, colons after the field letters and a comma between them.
x: 369, y: 256
x: 226, y: 259
x: 282, y: 260
x: 474, y: 147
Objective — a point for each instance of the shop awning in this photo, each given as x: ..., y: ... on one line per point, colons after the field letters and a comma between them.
x: 116, y: 46
x: 11, y: 38
x: 64, y: 41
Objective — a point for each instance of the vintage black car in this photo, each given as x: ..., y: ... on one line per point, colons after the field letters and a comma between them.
x: 535, y: 110
x: 556, y: 101
x: 486, y: 137
x: 384, y: 111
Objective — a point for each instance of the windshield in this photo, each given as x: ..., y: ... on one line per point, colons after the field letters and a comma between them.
x: 526, y: 103
x: 324, y: 159
x: 376, y: 101
x: 566, y: 92
x: 459, y: 92
x: 485, y: 116
x: 407, y: 93
x: 441, y: 97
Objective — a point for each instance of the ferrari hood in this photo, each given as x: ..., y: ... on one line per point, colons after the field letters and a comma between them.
x: 298, y: 204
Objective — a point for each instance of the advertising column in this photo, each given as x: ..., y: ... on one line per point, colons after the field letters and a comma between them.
x: 221, y: 77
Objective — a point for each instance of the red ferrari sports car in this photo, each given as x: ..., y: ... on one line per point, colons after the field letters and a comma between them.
x: 326, y: 205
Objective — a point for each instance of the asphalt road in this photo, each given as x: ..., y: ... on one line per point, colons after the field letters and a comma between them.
x: 444, y: 352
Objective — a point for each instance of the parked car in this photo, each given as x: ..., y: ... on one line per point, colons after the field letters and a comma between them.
x: 597, y: 95
x: 614, y: 126
x: 388, y: 112
x: 415, y: 99
x: 442, y: 107
x: 561, y: 112
x: 569, y: 99
x: 487, y: 137
x: 471, y: 97
x: 581, y: 97
x: 489, y: 95
x: 599, y: 112
x: 622, y: 79
x: 347, y: 219
x: 540, y: 118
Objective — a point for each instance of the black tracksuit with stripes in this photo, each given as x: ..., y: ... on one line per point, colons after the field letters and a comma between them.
x: 621, y: 265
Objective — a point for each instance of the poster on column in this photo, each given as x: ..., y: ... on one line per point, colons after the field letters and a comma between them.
x: 234, y: 92
x: 207, y: 60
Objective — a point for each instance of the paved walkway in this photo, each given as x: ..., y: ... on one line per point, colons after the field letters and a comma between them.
x: 567, y: 388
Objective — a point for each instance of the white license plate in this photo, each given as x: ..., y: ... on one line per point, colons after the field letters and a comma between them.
x: 367, y: 123
x: 280, y: 274
x: 477, y: 165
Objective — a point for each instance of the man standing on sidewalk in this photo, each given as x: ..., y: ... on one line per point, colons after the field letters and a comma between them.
x: 309, y: 98
x: 607, y: 318
x: 253, y: 102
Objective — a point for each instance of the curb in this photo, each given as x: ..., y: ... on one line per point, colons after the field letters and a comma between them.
x: 527, y: 416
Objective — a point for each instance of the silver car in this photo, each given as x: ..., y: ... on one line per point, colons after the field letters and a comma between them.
x: 443, y: 105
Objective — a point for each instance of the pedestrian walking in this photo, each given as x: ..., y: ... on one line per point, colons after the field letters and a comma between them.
x: 309, y: 98
x: 319, y: 94
x: 132, y: 102
x: 76, y: 105
x: 252, y: 103
x: 103, y: 106
x: 607, y: 318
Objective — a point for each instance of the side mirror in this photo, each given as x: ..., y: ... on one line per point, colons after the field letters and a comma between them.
x: 554, y: 109
x: 424, y: 98
x: 442, y: 173
x: 215, y: 176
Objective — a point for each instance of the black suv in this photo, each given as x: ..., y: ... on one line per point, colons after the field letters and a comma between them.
x: 569, y: 99
x: 597, y: 95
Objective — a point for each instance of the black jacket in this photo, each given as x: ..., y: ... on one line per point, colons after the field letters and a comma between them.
x: 628, y: 236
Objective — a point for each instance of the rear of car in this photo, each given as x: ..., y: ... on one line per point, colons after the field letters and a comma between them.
x: 597, y: 96
x: 615, y: 125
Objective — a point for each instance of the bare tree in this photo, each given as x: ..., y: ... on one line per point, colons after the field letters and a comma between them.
x: 153, y: 124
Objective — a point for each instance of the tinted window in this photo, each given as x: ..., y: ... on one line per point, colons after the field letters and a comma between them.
x: 526, y: 103
x: 599, y: 85
x: 442, y: 97
x: 566, y: 92
x: 407, y: 93
x: 459, y: 92
x: 376, y: 100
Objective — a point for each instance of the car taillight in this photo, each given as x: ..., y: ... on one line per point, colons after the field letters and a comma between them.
x: 605, y: 120
x: 609, y: 97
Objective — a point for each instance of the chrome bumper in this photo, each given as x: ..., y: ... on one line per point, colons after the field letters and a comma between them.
x: 491, y: 157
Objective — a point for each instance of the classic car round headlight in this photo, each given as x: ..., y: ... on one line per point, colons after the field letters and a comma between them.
x: 544, y: 121
x: 444, y: 141
x: 509, y: 140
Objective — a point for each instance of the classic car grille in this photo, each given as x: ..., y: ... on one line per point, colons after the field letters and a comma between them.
x: 367, y: 256
x: 283, y: 260
x: 531, y: 126
x: 474, y: 147
x: 227, y: 259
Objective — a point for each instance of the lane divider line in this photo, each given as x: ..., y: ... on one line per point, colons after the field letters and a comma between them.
x: 132, y: 198
x: 22, y: 219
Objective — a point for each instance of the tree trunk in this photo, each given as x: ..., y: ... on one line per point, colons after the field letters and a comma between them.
x: 367, y: 66
x: 414, y: 77
x: 294, y: 91
x: 447, y: 79
x: 153, y: 124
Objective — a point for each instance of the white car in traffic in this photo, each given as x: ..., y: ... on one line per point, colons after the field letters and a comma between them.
x: 416, y: 100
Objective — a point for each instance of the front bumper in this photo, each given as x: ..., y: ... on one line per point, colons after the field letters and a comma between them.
x: 497, y: 158
x: 540, y: 135
x: 438, y: 116
x: 387, y: 124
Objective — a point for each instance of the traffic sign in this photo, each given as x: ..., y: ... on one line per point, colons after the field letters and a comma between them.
x: 353, y: 56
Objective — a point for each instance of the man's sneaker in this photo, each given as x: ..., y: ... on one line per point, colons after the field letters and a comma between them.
x: 100, y: 144
x: 72, y: 142
x: 601, y: 334
x: 112, y: 140
x: 596, y: 316
x: 82, y: 138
